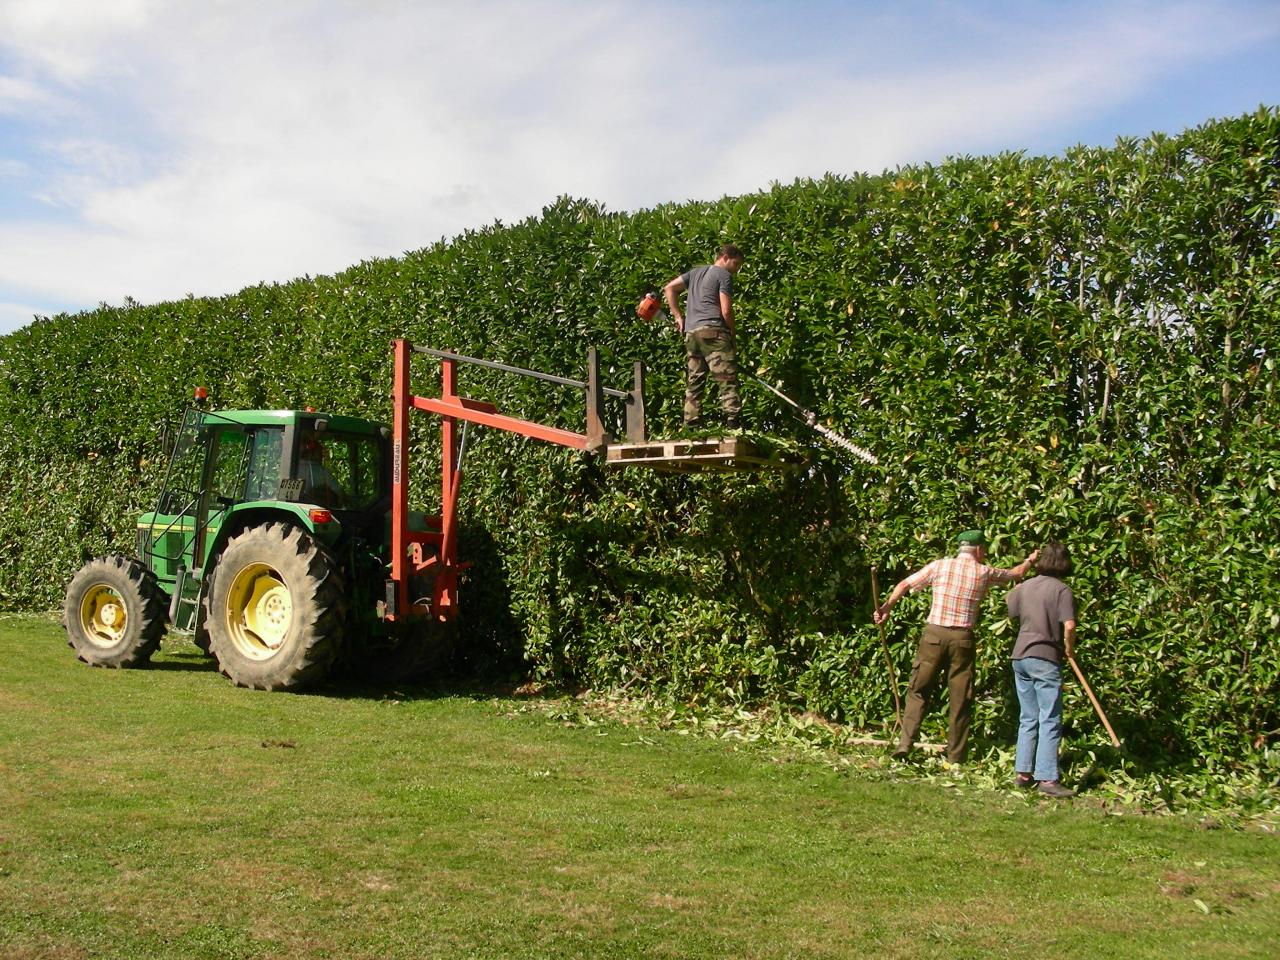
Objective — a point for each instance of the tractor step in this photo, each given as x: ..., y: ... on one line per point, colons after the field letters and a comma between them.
x: 695, y: 456
x: 184, y: 605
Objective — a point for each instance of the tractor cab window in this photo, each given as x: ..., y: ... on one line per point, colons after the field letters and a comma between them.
x: 228, y: 467
x: 264, y: 464
x: 339, y: 471
x: 182, y: 488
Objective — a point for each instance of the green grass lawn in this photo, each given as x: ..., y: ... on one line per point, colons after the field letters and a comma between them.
x: 166, y: 813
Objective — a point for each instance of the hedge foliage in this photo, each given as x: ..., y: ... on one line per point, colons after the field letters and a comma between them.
x: 1081, y: 347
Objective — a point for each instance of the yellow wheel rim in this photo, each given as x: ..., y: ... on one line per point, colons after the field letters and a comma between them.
x: 103, y: 616
x: 259, y: 611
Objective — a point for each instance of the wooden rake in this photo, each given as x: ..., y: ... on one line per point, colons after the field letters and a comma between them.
x: 1115, y: 741
x: 888, y: 660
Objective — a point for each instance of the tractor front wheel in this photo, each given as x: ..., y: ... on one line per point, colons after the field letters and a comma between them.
x: 276, y: 609
x: 114, y: 612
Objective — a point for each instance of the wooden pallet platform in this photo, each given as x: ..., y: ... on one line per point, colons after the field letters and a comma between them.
x: 695, y: 456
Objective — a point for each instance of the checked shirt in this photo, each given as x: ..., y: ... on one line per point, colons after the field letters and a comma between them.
x: 959, y: 584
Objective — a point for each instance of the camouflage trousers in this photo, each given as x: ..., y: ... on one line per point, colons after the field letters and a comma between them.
x: 710, y: 349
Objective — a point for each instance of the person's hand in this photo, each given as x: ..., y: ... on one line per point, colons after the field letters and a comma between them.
x: 1071, y: 651
x: 880, y: 615
x: 1034, y: 555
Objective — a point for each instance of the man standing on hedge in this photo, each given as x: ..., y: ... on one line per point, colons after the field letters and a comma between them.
x: 707, y: 326
x: 946, y: 647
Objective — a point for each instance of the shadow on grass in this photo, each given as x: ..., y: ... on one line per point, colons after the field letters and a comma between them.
x: 193, y: 661
x: 442, y: 688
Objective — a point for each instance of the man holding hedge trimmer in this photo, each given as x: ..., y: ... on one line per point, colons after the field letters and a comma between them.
x: 707, y: 325
x: 946, y: 648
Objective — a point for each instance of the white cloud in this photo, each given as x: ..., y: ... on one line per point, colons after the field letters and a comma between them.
x: 73, y: 40
x: 204, y: 147
x: 18, y: 95
x: 15, y: 315
x: 375, y: 138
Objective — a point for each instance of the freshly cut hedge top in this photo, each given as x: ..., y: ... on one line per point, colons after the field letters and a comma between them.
x: 1081, y: 347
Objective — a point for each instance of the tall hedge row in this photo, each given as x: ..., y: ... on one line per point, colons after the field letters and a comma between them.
x: 1081, y: 347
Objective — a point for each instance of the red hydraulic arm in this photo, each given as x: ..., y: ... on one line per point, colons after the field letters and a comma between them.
x: 410, y: 557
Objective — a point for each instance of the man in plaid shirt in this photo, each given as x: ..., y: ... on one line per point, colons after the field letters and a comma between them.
x: 959, y: 585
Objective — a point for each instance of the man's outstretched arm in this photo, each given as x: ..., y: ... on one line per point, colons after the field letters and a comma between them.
x: 882, y: 612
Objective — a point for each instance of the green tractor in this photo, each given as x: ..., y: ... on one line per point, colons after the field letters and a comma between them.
x: 284, y: 543
x: 268, y: 543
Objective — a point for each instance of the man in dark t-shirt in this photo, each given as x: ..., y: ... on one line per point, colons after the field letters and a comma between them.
x: 707, y: 325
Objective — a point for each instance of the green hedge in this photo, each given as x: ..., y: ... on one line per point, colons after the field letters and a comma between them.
x: 1081, y: 346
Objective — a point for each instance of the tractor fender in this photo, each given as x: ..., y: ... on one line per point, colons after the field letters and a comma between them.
x: 257, y: 513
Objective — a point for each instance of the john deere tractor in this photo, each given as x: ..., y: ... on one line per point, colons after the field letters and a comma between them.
x: 268, y: 543
x: 284, y: 543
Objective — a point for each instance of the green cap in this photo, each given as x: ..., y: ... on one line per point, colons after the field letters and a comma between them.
x: 974, y: 538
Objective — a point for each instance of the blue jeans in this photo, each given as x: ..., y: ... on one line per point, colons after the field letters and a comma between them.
x: 1039, y: 685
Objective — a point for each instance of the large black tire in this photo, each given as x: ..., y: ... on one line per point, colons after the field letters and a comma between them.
x: 115, y: 613
x: 276, y: 609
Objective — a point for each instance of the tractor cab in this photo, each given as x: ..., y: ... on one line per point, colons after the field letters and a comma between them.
x: 330, y: 475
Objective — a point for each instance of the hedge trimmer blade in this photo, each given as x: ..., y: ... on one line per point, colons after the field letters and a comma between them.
x: 845, y: 442
x: 811, y: 418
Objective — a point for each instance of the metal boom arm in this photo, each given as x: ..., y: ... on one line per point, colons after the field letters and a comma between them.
x: 408, y: 557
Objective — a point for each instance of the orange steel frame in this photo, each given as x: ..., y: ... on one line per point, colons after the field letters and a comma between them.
x: 440, y: 562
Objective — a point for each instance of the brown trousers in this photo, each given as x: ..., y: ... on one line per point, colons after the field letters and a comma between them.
x: 949, y: 651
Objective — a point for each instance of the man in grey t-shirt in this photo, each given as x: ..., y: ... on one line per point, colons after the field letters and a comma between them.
x: 707, y: 325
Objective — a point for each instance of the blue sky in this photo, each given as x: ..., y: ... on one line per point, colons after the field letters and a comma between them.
x: 154, y: 148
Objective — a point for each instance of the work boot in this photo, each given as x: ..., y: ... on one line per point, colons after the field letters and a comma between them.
x: 1052, y: 788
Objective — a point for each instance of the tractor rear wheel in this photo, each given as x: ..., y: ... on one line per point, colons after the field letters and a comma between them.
x: 114, y: 612
x: 276, y: 609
